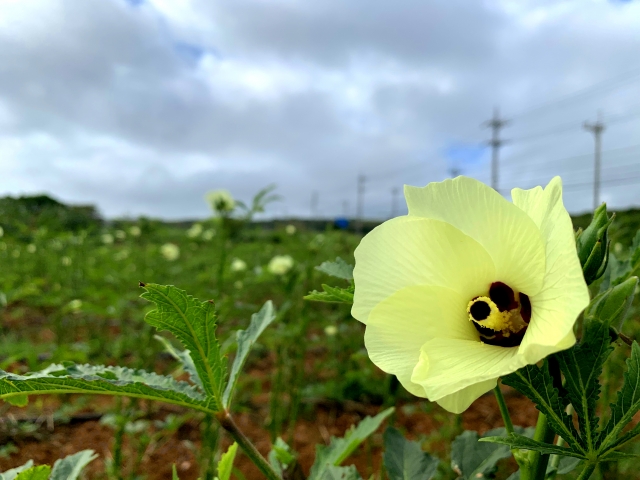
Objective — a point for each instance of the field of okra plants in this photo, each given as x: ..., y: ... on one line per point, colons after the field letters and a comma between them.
x: 476, y: 337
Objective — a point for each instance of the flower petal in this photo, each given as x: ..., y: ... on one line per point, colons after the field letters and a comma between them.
x: 410, y: 251
x: 458, y: 402
x: 564, y: 293
x: 510, y: 237
x: 448, y: 365
x: 399, y: 326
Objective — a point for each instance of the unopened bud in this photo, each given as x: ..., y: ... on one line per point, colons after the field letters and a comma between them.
x: 611, y: 307
x: 593, y: 245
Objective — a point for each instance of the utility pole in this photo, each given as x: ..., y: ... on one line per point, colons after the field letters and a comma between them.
x: 454, y: 172
x: 496, y: 123
x: 360, y: 203
x: 596, y: 128
x: 394, y: 201
x: 314, y: 204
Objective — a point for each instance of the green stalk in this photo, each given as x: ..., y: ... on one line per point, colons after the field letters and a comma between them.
x: 249, y: 449
x: 504, y: 411
x: 588, y: 469
x: 535, y: 467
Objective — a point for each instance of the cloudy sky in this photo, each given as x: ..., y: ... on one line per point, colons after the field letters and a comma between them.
x: 141, y: 106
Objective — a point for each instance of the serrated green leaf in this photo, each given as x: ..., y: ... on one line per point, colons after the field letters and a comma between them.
x: 246, y: 339
x: 582, y: 365
x: 103, y: 380
x: 332, y: 295
x: 70, y: 467
x: 280, y: 456
x: 13, y: 473
x: 225, y: 465
x: 626, y: 406
x: 525, y: 443
x: 471, y: 458
x: 536, y: 384
x: 405, y: 460
x: 184, y: 357
x: 333, y: 472
x: 340, y: 448
x: 339, y: 269
x: 194, y: 323
x: 35, y: 473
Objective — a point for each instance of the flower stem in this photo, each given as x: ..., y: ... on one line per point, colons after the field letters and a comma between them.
x: 588, y: 469
x: 504, y: 411
x: 539, y: 461
x: 249, y: 448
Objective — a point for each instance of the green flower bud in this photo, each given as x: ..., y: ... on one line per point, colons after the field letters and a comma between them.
x: 593, y: 245
x: 612, y: 306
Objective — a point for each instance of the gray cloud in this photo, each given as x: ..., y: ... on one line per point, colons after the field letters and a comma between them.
x: 142, y: 109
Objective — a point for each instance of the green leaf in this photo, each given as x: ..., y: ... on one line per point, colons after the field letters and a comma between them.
x: 184, y: 357
x: 405, y: 460
x: 339, y: 269
x: 13, y: 473
x: 525, y: 443
x: 626, y: 406
x: 582, y: 365
x: 225, y: 465
x: 71, y: 378
x: 332, y: 295
x: 69, y: 468
x: 333, y: 472
x: 246, y: 339
x: 471, y: 458
x: 536, y: 384
x: 340, y: 448
x: 612, y: 305
x: 280, y: 456
x: 194, y: 323
x: 631, y: 266
x: 566, y: 465
x: 174, y: 473
x: 35, y: 473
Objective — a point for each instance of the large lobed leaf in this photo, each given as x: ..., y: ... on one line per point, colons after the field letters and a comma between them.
x: 246, y: 339
x: 582, y: 366
x: 626, y: 406
x: 537, y: 385
x: 194, y: 323
x: 472, y: 458
x: 13, y: 473
x: 525, y: 443
x: 184, y: 357
x: 71, y: 378
x: 69, y: 468
x: 340, y: 448
x: 405, y: 460
x: 332, y: 295
x: 35, y: 473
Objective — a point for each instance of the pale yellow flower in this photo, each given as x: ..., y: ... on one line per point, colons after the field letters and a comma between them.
x: 135, y: 231
x: 238, y: 265
x: 170, y: 251
x: 220, y: 201
x: 468, y: 287
x: 290, y: 229
x: 280, y: 264
x: 330, y: 330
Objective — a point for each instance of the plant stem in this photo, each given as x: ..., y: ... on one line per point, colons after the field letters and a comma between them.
x: 252, y: 452
x: 588, y: 469
x: 537, y: 460
x: 504, y: 411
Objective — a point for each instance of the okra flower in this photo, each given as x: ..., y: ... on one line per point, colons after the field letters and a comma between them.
x: 468, y: 287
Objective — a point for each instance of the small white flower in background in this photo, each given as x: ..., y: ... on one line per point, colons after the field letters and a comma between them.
x: 617, y: 248
x: 135, y: 231
x: 31, y: 248
x: 120, y: 234
x: 1, y: 232
x: 238, y: 284
x: 170, y: 251
x: 208, y: 234
x: 194, y: 231
x: 107, y: 238
x: 220, y: 201
x: 56, y: 244
x: 330, y: 330
x: 238, y: 265
x: 66, y: 261
x: 75, y: 305
x: 280, y: 264
x: 290, y: 229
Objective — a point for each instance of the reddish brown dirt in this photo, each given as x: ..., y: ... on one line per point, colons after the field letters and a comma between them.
x: 325, y: 422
